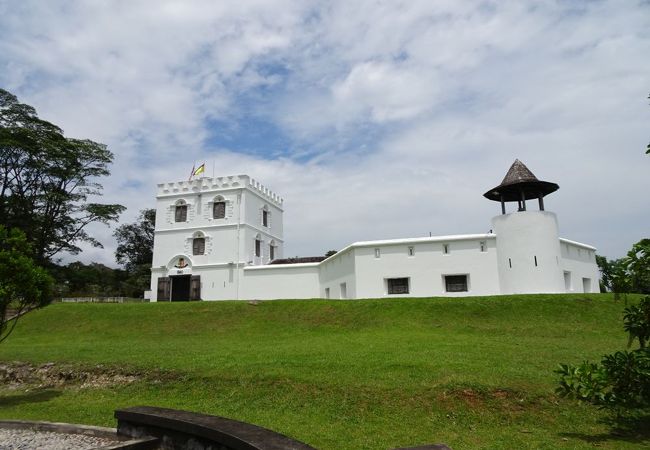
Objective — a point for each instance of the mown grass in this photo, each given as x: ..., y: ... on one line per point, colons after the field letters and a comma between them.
x: 367, y: 374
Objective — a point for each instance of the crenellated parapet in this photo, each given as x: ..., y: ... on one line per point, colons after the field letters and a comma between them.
x: 264, y: 192
x: 206, y: 184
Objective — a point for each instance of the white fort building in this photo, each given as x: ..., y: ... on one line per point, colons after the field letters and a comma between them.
x: 221, y: 238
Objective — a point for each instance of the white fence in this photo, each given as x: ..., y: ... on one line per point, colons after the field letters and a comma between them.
x: 98, y: 299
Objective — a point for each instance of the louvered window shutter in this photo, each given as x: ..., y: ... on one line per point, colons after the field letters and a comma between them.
x: 163, y: 289
x: 198, y: 246
x: 219, y: 210
x: 195, y: 287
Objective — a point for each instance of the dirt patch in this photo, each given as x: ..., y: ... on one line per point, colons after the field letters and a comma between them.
x: 478, y: 398
x: 19, y: 375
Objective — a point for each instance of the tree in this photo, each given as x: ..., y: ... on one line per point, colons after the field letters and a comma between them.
x: 621, y: 381
x: 47, y: 181
x: 135, y: 240
x: 628, y: 274
x: 613, y: 276
x: 135, y: 251
x: 637, y: 263
x: 23, y: 285
x: 330, y: 253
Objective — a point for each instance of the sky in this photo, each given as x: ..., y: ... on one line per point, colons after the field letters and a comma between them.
x: 372, y: 119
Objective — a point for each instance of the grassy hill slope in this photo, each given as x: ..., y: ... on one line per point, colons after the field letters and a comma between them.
x: 368, y: 374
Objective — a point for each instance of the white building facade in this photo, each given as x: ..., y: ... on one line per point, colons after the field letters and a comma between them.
x: 215, y: 239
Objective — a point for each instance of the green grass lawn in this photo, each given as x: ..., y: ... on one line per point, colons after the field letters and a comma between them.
x: 365, y: 374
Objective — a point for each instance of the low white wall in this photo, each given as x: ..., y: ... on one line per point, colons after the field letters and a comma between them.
x: 428, y: 266
x: 337, y: 276
x: 280, y: 281
x: 578, y: 263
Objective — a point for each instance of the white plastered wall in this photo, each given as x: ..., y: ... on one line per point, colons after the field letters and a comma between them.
x: 428, y: 266
x: 578, y: 264
x: 338, y: 276
x: 280, y: 281
x: 528, y: 249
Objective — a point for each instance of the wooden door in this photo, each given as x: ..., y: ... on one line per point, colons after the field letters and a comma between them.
x: 163, y: 289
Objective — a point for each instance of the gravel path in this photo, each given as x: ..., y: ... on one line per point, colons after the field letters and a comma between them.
x: 22, y: 439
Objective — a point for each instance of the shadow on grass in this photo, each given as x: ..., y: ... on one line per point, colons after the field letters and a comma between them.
x: 28, y: 397
x: 628, y: 429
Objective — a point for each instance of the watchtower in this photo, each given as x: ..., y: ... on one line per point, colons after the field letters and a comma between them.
x: 528, y: 246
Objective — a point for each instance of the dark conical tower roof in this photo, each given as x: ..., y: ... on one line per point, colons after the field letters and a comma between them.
x: 520, y: 180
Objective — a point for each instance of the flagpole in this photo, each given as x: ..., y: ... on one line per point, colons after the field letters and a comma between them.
x: 213, y: 160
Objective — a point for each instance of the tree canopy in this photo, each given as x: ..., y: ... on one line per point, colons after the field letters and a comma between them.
x: 135, y: 251
x: 23, y: 285
x: 47, y: 181
x: 135, y: 240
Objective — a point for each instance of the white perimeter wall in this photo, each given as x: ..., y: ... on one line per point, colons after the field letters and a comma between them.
x: 280, y: 281
x: 338, y: 275
x: 428, y: 266
x: 579, y: 267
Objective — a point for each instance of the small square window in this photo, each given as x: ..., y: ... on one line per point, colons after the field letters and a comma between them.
x: 411, y: 251
x: 397, y: 286
x: 377, y: 253
x: 445, y: 249
x: 456, y: 283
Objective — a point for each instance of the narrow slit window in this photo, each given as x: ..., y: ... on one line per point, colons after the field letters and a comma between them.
x: 265, y: 218
x: 510, y: 262
x: 411, y: 251
x: 483, y: 246
x: 258, y: 247
x: 377, y: 253
x: 535, y: 261
x: 445, y: 249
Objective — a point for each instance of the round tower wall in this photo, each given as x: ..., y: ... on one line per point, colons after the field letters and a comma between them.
x: 528, y: 252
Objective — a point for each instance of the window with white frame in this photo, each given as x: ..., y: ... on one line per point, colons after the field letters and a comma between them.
x: 266, y: 216
x: 258, y: 246
x: 396, y: 286
x: 456, y: 283
x: 219, y: 208
x: 272, y: 250
x: 180, y: 211
x: 198, y: 243
x: 198, y: 246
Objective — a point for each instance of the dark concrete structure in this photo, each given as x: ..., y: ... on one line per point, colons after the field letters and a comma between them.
x: 184, y: 430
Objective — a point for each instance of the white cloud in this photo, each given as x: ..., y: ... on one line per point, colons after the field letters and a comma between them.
x: 396, y: 116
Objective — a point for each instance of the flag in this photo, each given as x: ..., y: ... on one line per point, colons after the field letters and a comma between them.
x: 192, y: 172
x: 199, y: 170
